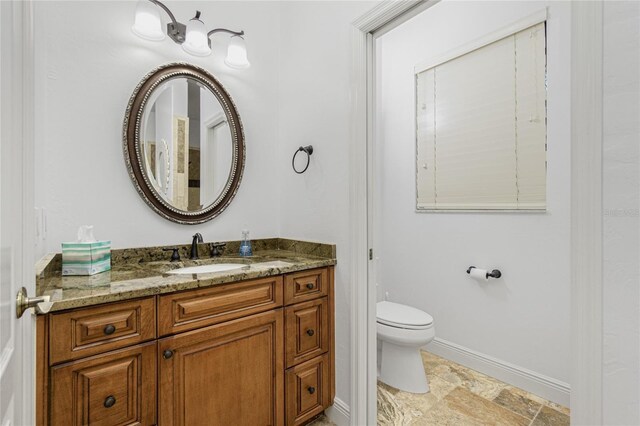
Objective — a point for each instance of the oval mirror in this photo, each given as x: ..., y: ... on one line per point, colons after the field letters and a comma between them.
x: 183, y: 143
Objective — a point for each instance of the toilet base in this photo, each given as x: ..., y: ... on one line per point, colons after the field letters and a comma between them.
x: 402, y: 368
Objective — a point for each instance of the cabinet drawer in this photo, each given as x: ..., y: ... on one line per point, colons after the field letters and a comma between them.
x: 198, y: 308
x: 307, y: 390
x: 118, y: 388
x: 306, y: 331
x: 89, y: 331
x: 305, y: 285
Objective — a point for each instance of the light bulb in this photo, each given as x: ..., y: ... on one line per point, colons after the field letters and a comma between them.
x: 237, y: 53
x: 196, y: 42
x: 147, y: 23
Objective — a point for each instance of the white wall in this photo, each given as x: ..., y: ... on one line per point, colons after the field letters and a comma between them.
x: 621, y: 227
x: 314, y: 109
x: 523, y: 318
x: 87, y: 64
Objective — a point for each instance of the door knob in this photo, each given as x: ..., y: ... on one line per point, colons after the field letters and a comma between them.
x: 23, y: 302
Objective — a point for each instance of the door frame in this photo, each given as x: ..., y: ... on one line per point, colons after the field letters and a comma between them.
x: 586, y: 207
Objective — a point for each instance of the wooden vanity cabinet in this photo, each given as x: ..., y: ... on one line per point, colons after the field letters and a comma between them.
x: 226, y: 374
x: 307, y: 390
x: 306, y: 285
x: 193, y: 309
x: 257, y: 352
x: 117, y: 388
x: 79, y: 333
x: 310, y: 344
x: 307, y: 329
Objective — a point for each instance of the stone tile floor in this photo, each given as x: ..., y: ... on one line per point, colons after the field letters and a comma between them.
x: 322, y: 421
x: 461, y: 396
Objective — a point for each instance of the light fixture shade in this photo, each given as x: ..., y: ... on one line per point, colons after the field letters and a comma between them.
x: 196, y: 42
x: 237, y: 53
x: 147, y: 23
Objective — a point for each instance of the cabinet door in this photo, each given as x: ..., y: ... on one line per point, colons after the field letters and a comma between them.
x: 307, y: 331
x: 226, y: 374
x: 307, y: 388
x: 114, y: 389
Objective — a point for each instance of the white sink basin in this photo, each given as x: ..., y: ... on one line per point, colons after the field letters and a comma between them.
x: 207, y: 269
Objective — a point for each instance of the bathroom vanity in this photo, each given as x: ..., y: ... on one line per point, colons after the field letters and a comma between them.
x: 220, y: 340
x: 138, y: 346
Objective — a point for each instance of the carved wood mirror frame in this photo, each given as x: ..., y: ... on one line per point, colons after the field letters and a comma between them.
x: 133, y: 151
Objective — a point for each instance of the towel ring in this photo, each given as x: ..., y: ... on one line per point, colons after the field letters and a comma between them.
x: 307, y: 150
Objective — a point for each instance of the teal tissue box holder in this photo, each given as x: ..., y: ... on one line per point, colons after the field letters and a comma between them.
x: 86, y: 258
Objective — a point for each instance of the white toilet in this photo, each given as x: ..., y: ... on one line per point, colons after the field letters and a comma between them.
x: 403, y: 330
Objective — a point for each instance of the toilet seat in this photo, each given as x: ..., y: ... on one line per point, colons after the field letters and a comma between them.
x: 401, y: 316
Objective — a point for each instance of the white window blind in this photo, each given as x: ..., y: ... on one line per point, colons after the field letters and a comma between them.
x: 481, y: 127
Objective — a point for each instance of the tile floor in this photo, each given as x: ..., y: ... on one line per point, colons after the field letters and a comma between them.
x: 322, y: 421
x: 461, y: 396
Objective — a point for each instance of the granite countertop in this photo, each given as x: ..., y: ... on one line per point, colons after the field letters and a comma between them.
x: 142, y: 272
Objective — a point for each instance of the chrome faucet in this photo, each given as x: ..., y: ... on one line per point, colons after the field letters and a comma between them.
x: 197, y: 238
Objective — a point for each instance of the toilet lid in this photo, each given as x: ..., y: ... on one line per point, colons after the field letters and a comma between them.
x: 402, y: 316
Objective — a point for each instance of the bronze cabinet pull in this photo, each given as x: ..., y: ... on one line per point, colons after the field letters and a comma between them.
x: 310, y: 286
x: 311, y: 390
x: 110, y: 401
x: 109, y: 329
x: 168, y: 353
x: 310, y: 332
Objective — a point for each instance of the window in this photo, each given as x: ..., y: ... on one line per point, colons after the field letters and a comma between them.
x: 481, y: 127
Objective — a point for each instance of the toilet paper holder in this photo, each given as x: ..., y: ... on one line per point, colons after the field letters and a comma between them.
x: 493, y: 274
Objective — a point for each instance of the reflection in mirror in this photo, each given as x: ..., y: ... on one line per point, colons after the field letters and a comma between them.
x: 187, y: 146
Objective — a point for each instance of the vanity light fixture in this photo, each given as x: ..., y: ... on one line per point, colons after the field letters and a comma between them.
x: 193, y: 36
x: 237, y: 53
x: 147, y: 24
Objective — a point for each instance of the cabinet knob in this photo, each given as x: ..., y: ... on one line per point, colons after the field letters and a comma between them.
x: 168, y: 353
x: 310, y: 332
x: 110, y: 401
x: 311, y: 390
x: 109, y: 329
x: 310, y: 286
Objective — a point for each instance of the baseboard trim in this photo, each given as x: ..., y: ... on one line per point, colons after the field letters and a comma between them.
x: 538, y: 384
x: 339, y: 413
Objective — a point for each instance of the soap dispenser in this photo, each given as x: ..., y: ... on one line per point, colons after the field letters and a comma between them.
x: 245, y: 244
